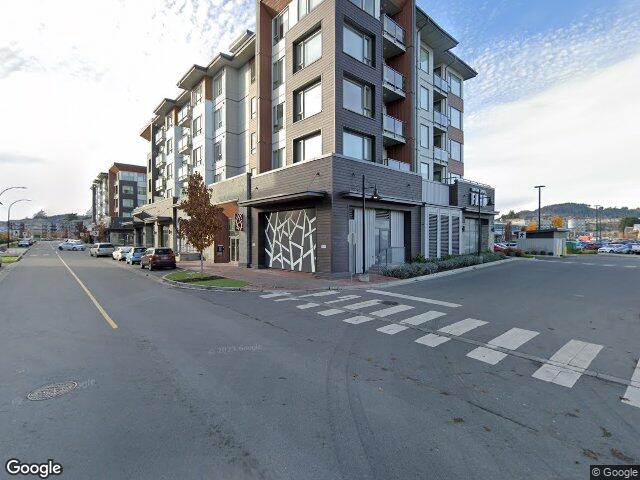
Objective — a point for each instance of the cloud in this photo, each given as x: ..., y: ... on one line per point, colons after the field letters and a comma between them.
x: 13, y: 60
x: 13, y: 158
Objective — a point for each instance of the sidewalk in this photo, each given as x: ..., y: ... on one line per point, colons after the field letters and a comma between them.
x: 273, y: 279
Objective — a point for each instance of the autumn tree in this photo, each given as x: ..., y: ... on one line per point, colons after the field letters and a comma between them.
x: 557, y: 222
x: 532, y: 227
x: 202, y: 224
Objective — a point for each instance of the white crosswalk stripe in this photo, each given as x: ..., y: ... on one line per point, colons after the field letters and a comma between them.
x: 575, y: 354
x: 385, y: 312
x: 358, y: 320
x: 324, y: 293
x: 455, y: 329
x: 307, y: 305
x: 422, y: 318
x: 415, y: 299
x: 510, y: 340
x: 392, y: 329
x: 342, y: 299
x: 288, y: 299
x: 330, y: 312
x: 365, y: 304
x: 632, y: 394
x: 275, y: 294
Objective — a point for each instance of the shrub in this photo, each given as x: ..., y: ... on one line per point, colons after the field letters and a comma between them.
x: 492, y: 256
x: 428, y: 267
x: 518, y: 253
x: 420, y: 258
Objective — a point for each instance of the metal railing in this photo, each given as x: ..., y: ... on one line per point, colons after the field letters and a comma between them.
x: 160, y: 160
x: 395, y: 31
x: 440, y: 154
x: 396, y: 164
x: 393, y: 78
x: 391, y: 256
x: 435, y: 193
x: 184, y: 172
x: 440, y: 118
x: 159, y: 135
x: 440, y: 83
x: 160, y: 183
x: 184, y: 143
x: 393, y: 126
x: 184, y: 114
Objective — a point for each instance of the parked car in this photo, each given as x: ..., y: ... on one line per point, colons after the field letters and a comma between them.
x: 592, y: 246
x: 73, y: 245
x: 134, y: 255
x: 499, y: 247
x: 120, y: 252
x: 624, y: 248
x: 101, y: 250
x: 635, y: 248
x: 608, y: 248
x: 158, y: 257
x: 24, y: 243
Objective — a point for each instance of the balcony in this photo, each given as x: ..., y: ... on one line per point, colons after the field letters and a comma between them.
x: 160, y: 160
x: 441, y: 87
x: 396, y: 164
x: 184, y: 172
x: 184, y: 116
x: 161, y: 184
x: 159, y: 138
x: 392, y: 130
x: 394, y: 84
x: 394, y: 36
x: 435, y: 193
x: 184, y: 144
x: 440, y: 155
x: 440, y: 120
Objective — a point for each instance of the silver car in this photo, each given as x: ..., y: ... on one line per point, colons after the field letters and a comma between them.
x: 101, y: 250
x: 120, y: 253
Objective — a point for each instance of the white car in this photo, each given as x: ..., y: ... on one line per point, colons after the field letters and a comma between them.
x: 120, y: 253
x: 72, y: 245
x: 101, y: 250
x: 608, y: 248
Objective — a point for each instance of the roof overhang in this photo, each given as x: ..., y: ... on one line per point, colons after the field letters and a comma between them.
x: 192, y: 77
x: 434, y: 35
x: 158, y: 219
x: 283, y: 198
x: 457, y: 64
x: 383, y: 198
x: 474, y: 210
x: 164, y: 107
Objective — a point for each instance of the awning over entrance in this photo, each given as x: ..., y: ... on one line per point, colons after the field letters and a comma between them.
x: 158, y: 219
x: 283, y: 198
x: 383, y: 198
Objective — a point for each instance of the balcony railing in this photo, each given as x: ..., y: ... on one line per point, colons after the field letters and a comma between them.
x: 393, y: 30
x: 160, y: 183
x: 160, y: 160
x: 159, y: 135
x: 396, y: 164
x: 393, y: 127
x: 394, y: 79
x: 435, y: 193
x: 440, y: 119
x: 184, y: 172
x: 184, y: 115
x: 184, y: 143
x: 440, y: 154
x: 440, y: 83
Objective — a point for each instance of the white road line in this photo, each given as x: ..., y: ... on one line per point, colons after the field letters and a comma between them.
x: 365, y: 304
x: 288, y: 299
x: 357, y: 320
x: 422, y: 318
x: 586, y: 263
x: 307, y: 305
x: 455, y: 329
x: 630, y: 266
x: 331, y: 311
x: 632, y: 394
x: 275, y: 294
x: 511, y: 340
x: 575, y: 354
x: 325, y: 293
x: 343, y: 299
x: 415, y: 299
x: 385, y: 312
x: 392, y: 329
x: 608, y: 265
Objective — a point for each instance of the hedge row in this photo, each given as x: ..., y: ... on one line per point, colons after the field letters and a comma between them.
x: 427, y: 267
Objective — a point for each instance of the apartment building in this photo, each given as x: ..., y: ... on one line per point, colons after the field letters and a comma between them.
x: 115, y: 195
x: 328, y: 102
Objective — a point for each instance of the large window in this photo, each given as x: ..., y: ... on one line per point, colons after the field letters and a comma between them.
x: 308, y: 101
x: 253, y: 143
x: 217, y: 86
x: 197, y: 156
x: 254, y: 107
x: 456, y: 150
x: 424, y: 59
x: 127, y: 189
x: 170, y: 120
x: 278, y: 158
x: 424, y: 98
x: 357, y: 146
x: 308, y: 147
x: 357, y: 98
x: 170, y: 146
x: 278, y: 73
x: 252, y: 70
x: 305, y: 6
x: 197, y: 94
x: 368, y: 6
x: 278, y: 117
x: 197, y: 126
x: 280, y: 25
x: 217, y: 118
x: 424, y: 136
x: 456, y: 85
x: 456, y: 118
x: 357, y: 45
x: 127, y: 203
x: 217, y: 151
x: 308, y: 50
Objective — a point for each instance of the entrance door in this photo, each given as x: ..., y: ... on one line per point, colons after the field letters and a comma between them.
x: 234, y: 249
x: 382, y: 236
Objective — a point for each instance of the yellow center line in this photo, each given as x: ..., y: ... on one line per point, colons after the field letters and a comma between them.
x: 102, y: 311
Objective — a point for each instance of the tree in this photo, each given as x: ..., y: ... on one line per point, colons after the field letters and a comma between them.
x: 81, y: 232
x: 202, y: 224
x: 102, y: 233
x: 532, y: 227
x: 41, y: 214
x: 628, y: 222
x: 557, y: 222
x: 511, y: 215
x: 508, y: 232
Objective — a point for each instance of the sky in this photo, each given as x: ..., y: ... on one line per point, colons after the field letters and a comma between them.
x: 555, y: 100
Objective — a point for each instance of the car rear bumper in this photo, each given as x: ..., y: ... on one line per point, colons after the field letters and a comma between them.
x: 163, y: 263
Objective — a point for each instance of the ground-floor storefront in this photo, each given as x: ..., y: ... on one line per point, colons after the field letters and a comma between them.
x: 443, y: 230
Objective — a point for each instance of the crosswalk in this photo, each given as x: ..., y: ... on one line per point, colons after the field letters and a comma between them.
x: 564, y: 368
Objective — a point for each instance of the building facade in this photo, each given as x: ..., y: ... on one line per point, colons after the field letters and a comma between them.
x: 115, y: 195
x: 328, y: 102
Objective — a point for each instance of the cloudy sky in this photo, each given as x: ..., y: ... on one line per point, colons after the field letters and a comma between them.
x: 554, y: 101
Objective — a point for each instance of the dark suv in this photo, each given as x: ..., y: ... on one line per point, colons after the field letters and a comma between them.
x: 158, y: 257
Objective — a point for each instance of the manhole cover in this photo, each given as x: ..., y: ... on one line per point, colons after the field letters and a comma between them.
x: 52, y: 391
x: 389, y: 302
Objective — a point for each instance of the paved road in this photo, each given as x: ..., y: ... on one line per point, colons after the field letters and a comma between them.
x: 475, y: 375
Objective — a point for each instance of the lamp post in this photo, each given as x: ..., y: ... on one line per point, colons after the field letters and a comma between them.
x: 539, y: 187
x: 10, y: 188
x: 375, y: 196
x: 597, y: 207
x: 9, y: 217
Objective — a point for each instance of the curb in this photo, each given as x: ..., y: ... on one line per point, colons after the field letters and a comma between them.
x: 185, y: 286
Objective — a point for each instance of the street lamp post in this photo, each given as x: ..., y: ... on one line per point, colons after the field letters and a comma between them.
x: 9, y: 217
x: 597, y: 207
x: 539, y: 187
x: 10, y: 188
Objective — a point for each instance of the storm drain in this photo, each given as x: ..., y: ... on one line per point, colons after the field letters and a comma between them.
x: 52, y: 391
x: 389, y: 302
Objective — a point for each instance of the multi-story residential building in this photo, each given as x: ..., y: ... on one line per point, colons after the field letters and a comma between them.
x: 115, y: 195
x: 330, y: 99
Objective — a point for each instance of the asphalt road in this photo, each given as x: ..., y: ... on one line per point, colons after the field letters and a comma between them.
x: 249, y: 385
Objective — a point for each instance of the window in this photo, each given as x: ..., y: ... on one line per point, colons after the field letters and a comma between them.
x: 217, y: 151
x: 456, y: 150
x: 169, y: 192
x: 280, y: 25
x: 307, y: 148
x: 170, y: 120
x: 197, y: 156
x: 127, y: 190
x: 357, y: 98
x: 127, y: 203
x: 217, y: 177
x: 308, y: 50
x: 456, y: 85
x: 456, y: 118
x: 306, y: 6
x: 424, y: 59
x: 126, y: 214
x: 308, y: 102
x: 424, y: 98
x: 357, y: 146
x: 357, y: 45
x: 217, y: 86
x: 366, y: 5
x: 278, y: 158
x: 170, y: 145
x: 278, y: 73
x: 278, y: 117
x: 169, y: 170
x: 253, y: 143
x: 142, y: 190
x: 217, y: 118
x: 197, y: 94
x: 197, y: 126
x: 254, y: 107
x: 424, y: 136
x: 252, y: 70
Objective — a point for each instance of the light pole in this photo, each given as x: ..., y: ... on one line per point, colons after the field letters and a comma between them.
x: 539, y: 187
x: 9, y: 217
x: 597, y: 207
x: 10, y: 188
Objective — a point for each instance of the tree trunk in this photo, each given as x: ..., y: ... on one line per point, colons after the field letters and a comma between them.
x: 201, y: 263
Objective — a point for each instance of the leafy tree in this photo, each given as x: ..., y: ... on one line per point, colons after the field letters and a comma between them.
x: 508, y: 231
x: 557, y: 222
x: 532, y: 227
x: 203, y: 224
x: 81, y: 232
x: 40, y: 214
x: 628, y: 222
x: 510, y: 216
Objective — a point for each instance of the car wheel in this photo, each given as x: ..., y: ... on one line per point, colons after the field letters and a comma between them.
x: 59, y: 248
x: 150, y: 266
